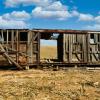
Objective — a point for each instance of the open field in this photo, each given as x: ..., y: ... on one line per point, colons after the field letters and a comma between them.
x: 50, y: 85
x: 33, y: 84
x: 48, y: 52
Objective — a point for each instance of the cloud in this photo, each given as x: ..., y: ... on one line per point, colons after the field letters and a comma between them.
x: 86, y: 17
x: 82, y: 16
x: 42, y: 13
x: 17, y: 15
x: 97, y: 19
x: 46, y: 9
x: 11, y: 24
x: 15, y: 19
x: 15, y: 3
x: 75, y: 13
x: 56, y: 6
x: 55, y: 10
x: 93, y: 27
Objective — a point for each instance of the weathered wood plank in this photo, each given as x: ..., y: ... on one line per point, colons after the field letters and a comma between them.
x: 8, y: 57
x: 17, y: 45
x: 84, y: 49
x: 70, y: 48
x: 12, y: 39
x: 88, y: 47
x: 30, y: 47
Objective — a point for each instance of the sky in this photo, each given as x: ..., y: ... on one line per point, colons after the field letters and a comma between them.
x: 50, y: 14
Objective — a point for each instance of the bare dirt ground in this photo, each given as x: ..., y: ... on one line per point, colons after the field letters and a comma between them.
x: 33, y: 84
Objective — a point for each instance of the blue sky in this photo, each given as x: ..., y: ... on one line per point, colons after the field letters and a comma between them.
x: 52, y: 14
x: 60, y: 14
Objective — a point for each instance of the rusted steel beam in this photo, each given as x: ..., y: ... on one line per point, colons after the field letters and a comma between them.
x: 54, y: 30
x: 64, y: 31
x: 60, y: 31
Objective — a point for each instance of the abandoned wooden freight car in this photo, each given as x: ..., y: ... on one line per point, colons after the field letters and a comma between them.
x: 21, y: 47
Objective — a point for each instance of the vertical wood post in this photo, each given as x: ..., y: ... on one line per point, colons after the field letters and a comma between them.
x: 88, y: 47
x: 64, y: 47
x: 12, y: 39
x: 30, y: 46
x: 17, y: 45
x: 70, y: 48
x: 84, y: 49
x: 38, y: 58
x: 7, y: 40
x: 2, y: 36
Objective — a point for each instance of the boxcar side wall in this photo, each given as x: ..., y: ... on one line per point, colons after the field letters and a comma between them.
x: 93, y: 48
x: 81, y: 48
x: 72, y: 48
x: 22, y: 47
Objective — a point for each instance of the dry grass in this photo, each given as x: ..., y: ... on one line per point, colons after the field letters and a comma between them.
x: 50, y: 85
x: 33, y: 84
x: 48, y: 52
